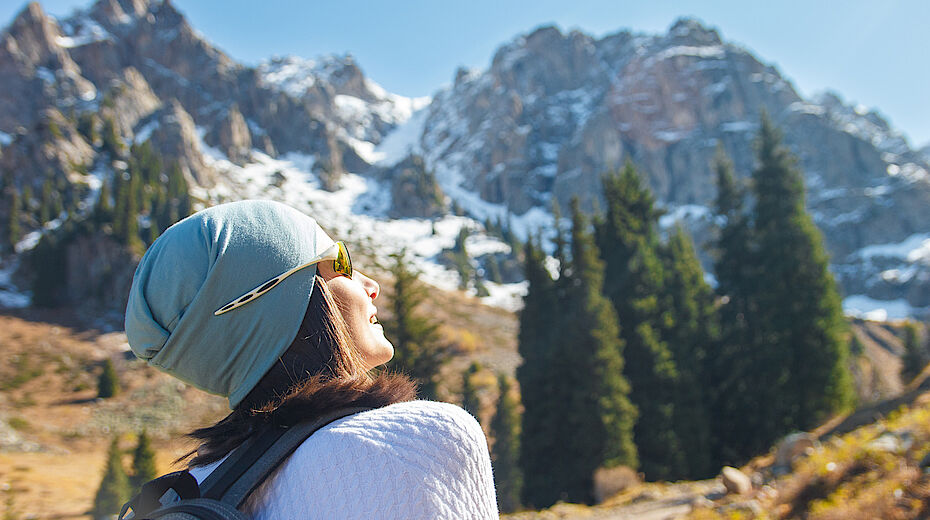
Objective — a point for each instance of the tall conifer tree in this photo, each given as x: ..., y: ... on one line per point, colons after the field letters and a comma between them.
x: 49, y: 260
x: 692, y: 341
x: 143, y: 462
x: 114, y: 487
x: 538, y: 378
x: 12, y: 220
x: 418, y: 349
x: 505, y: 428
x: 470, y: 401
x: 915, y: 356
x: 803, y: 335
x: 588, y: 355
x: 628, y: 241
x: 108, y: 381
x: 734, y: 392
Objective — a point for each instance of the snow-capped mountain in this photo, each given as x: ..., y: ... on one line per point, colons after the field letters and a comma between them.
x: 555, y: 111
x: 551, y: 113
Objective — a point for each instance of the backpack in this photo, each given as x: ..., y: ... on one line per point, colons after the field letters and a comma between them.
x: 177, y: 496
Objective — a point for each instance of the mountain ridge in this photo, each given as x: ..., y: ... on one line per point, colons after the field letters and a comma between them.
x: 543, y: 121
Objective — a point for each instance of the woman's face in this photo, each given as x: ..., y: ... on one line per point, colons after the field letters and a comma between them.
x: 355, y: 298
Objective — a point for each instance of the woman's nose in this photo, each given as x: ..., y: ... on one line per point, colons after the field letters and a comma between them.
x: 371, y: 286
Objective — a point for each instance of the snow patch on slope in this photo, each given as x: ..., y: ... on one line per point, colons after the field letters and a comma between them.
x: 290, y: 179
x: 913, y: 249
x: 867, y: 308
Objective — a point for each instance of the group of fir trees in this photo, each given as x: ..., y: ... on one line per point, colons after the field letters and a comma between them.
x: 666, y: 321
x: 577, y: 413
x: 117, y: 486
x: 782, y: 364
x: 504, y: 433
x: 629, y: 357
x: 133, y: 208
x: 146, y: 193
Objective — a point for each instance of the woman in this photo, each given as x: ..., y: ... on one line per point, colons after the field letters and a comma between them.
x: 253, y: 301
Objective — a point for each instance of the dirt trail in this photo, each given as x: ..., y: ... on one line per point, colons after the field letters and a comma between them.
x: 650, y: 502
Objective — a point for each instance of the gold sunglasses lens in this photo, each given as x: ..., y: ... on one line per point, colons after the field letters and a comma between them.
x: 343, y: 263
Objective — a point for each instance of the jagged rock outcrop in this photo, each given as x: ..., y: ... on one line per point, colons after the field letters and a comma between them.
x: 414, y: 190
x: 233, y: 136
x: 173, y: 134
x: 555, y: 111
x: 54, y: 151
x: 36, y: 72
x: 129, y: 100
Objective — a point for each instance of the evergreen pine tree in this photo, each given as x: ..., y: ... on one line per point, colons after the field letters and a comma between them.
x: 803, y: 343
x: 634, y: 283
x: 114, y: 488
x: 692, y: 340
x: 45, y: 203
x: 461, y: 259
x: 470, y: 401
x: 915, y: 357
x: 505, y: 428
x: 12, y: 221
x: 112, y: 143
x: 735, y: 393
x: 49, y: 260
x: 538, y: 376
x: 595, y: 341
x: 143, y: 462
x: 28, y: 202
x: 418, y: 349
x: 108, y: 381
x: 493, y: 269
x: 126, y: 212
x: 586, y: 371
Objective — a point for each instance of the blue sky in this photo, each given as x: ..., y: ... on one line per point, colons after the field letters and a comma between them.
x: 873, y: 53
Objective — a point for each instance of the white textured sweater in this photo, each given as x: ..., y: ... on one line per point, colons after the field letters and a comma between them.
x: 419, y: 459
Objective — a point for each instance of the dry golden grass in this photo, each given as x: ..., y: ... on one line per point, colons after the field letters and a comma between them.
x: 48, y: 396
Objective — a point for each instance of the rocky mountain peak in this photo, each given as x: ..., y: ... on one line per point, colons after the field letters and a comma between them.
x: 344, y: 74
x: 32, y: 35
x: 543, y: 36
x: 119, y: 12
x: 690, y: 31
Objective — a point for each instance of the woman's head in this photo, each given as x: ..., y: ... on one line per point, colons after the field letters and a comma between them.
x: 355, y: 299
x: 214, y: 257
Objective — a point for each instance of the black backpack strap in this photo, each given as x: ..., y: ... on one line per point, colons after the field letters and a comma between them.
x: 181, y: 483
x: 244, y: 470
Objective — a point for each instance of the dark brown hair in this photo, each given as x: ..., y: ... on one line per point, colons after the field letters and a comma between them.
x: 319, y: 372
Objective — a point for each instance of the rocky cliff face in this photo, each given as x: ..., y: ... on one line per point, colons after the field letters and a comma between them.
x: 128, y: 59
x: 551, y: 113
x: 555, y: 111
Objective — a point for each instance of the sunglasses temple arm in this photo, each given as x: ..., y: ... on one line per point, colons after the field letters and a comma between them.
x: 324, y: 256
x: 280, y: 279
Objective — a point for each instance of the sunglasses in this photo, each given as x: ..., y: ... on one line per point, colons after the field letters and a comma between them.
x: 342, y: 264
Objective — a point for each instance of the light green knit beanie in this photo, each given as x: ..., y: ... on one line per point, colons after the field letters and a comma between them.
x: 207, y: 260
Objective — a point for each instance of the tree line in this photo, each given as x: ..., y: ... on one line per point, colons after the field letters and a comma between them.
x: 132, y: 208
x: 631, y: 358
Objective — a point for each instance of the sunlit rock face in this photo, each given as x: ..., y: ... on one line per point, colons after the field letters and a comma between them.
x: 555, y: 111
x: 551, y: 113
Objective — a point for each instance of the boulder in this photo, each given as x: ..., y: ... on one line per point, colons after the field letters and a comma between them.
x: 792, y: 447
x: 735, y: 481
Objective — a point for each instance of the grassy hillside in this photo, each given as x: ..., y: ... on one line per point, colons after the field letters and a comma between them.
x: 54, y: 431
